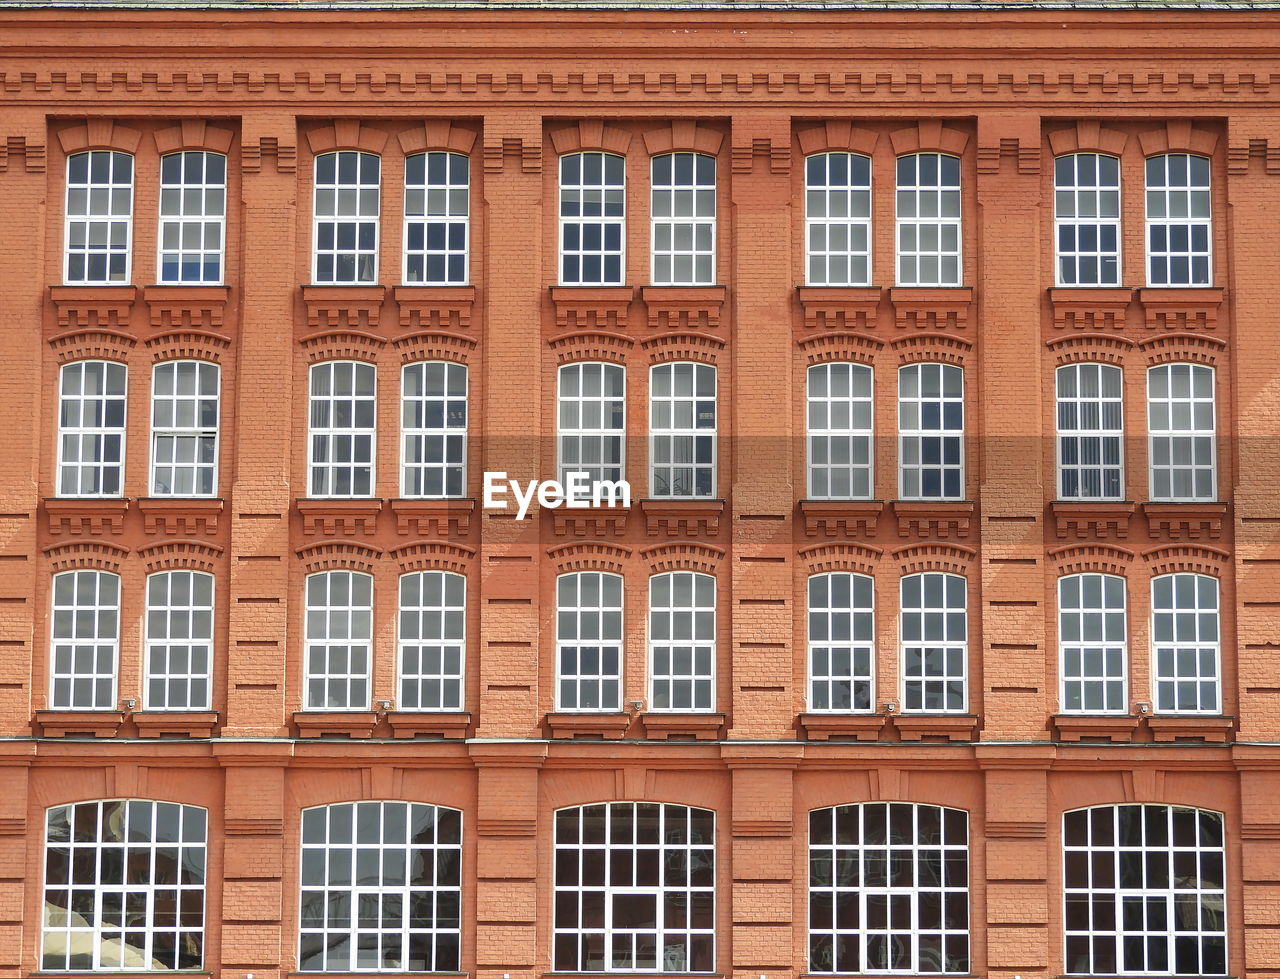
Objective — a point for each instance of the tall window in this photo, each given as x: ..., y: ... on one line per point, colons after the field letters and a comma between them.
x: 433, y: 424
x: 682, y: 641
x: 683, y: 224
x: 193, y: 209
x: 928, y: 220
x: 1182, y: 432
x: 1093, y: 643
x: 931, y: 432
x: 840, y: 428
x: 589, y: 641
x: 1179, y: 252
x: 433, y: 608
x: 85, y: 640
x: 838, y: 219
x: 124, y: 887
x: 184, y: 428
x: 935, y: 637
x: 1087, y: 219
x: 635, y: 888
x: 889, y: 889
x: 1184, y: 643
x: 339, y: 640
x: 1145, y: 891
x: 99, y: 224
x: 91, y: 411
x: 437, y: 206
x: 179, y: 640
x: 592, y: 422
x: 842, y: 642
x: 346, y: 218
x: 1090, y: 432
x: 343, y: 413
x: 682, y: 430
x: 381, y: 888
x: 593, y: 219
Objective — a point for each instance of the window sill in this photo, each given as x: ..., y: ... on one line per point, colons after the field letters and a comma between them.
x: 1181, y: 307
x: 1185, y: 521
x: 601, y: 521
x: 175, y: 724
x: 433, y: 518
x: 936, y: 727
x: 592, y: 307
x: 70, y: 723
x: 186, y: 307
x: 840, y: 518
x: 1096, y: 727
x: 1085, y: 520
x: 428, y: 724
x: 933, y: 519
x: 423, y: 307
x: 1090, y: 307
x: 339, y: 517
x: 92, y: 516
x: 338, y: 307
x: 840, y: 307
x: 93, y: 306
x: 176, y: 516
x: 683, y: 726
x: 684, y: 307
x: 588, y: 726
x: 818, y: 726
x: 319, y: 723
x: 1210, y: 728
x: 931, y: 307
x: 682, y: 518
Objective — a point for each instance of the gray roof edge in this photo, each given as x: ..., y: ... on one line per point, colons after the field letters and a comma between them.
x: 885, y: 6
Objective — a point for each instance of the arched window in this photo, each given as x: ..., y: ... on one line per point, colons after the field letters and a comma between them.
x: 842, y: 642
x: 433, y: 425
x: 634, y: 888
x: 433, y: 615
x: 1179, y: 226
x: 339, y: 640
x: 589, y: 641
x: 1144, y: 890
x: 682, y: 430
x: 1182, y: 432
x: 179, y: 640
x: 1086, y: 212
x: 343, y: 419
x: 381, y: 888
x: 592, y: 421
x: 593, y: 208
x: 85, y: 640
x: 193, y: 209
x: 840, y: 429
x: 1185, y: 644
x: 683, y: 220
x: 929, y: 220
x: 91, y: 419
x: 682, y: 641
x: 838, y: 219
x: 437, y: 206
x: 931, y: 432
x: 346, y: 218
x: 124, y: 887
x: 99, y: 221
x: 184, y: 428
x: 1093, y: 644
x: 889, y: 889
x: 935, y: 642
x: 1090, y: 432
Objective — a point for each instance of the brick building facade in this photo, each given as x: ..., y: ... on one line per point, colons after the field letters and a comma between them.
x: 936, y: 344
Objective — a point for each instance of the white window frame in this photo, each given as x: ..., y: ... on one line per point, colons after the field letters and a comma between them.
x: 1091, y: 433
x: 371, y: 837
x: 918, y: 432
x: 452, y: 437
x: 135, y: 844
x: 1176, y: 839
x: 1193, y: 404
x: 336, y: 613
x: 359, y: 188
x: 572, y: 403
x: 102, y: 432
x: 582, y: 623
x: 330, y: 433
x: 847, y: 629
x: 664, y: 225
x: 75, y: 216
x: 180, y: 617
x: 603, y: 189
x: 949, y: 645
x: 825, y: 407
x: 443, y: 614
x: 833, y: 198
x: 673, y: 435
x: 1163, y: 194
x: 1073, y: 643
x: 915, y: 223
x: 574, y: 836
x: 1096, y: 196
x: 208, y: 195
x: 696, y: 612
x: 179, y: 433
x: 105, y: 638
x: 838, y: 844
x: 415, y: 215
x: 1194, y: 631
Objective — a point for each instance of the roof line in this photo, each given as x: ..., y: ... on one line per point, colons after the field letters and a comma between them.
x: 896, y: 6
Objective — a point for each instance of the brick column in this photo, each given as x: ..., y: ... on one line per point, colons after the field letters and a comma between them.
x: 758, y: 398
x: 20, y: 855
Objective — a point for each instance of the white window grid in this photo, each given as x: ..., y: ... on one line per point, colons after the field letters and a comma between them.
x: 381, y: 888
x: 343, y: 402
x: 85, y: 640
x: 179, y: 640
x: 683, y: 220
x: 1182, y: 432
x: 682, y: 641
x: 589, y: 642
x: 592, y: 421
x: 931, y: 432
x: 433, y: 636
x: 91, y: 428
x: 842, y: 642
x: 1087, y: 219
x: 1179, y: 222
x: 682, y: 430
x: 193, y: 210
x: 184, y: 428
x: 635, y: 889
x: 840, y: 431
x: 889, y: 889
x: 433, y: 426
x: 593, y: 215
x: 1090, y: 403
x: 1093, y: 644
x: 437, y: 209
x: 339, y: 630
x: 346, y: 218
x: 1143, y: 890
x: 935, y: 643
x: 1185, y: 644
x: 124, y: 887
x: 99, y: 218
x: 928, y: 203
x: 838, y: 219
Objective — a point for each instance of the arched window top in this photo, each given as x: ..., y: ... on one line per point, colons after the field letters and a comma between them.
x: 931, y: 170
